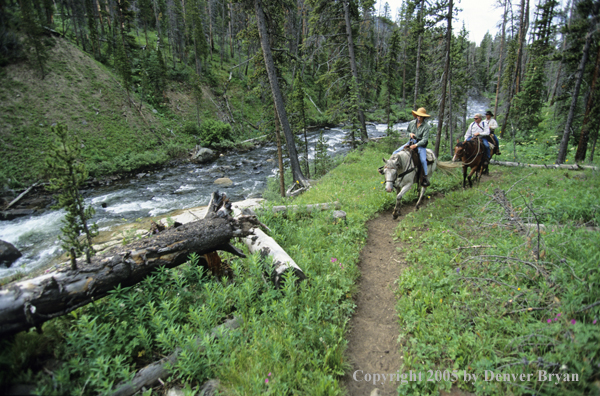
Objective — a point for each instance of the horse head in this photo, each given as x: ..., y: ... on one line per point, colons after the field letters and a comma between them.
x: 390, y: 171
x: 458, y: 151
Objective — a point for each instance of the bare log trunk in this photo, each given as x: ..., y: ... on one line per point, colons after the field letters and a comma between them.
x: 361, y: 116
x: 585, y: 128
x: 444, y: 81
x: 549, y: 166
x: 564, y: 142
x: 277, y: 95
x: 502, y: 40
x: 307, y: 208
x: 282, y: 262
x: 32, y: 302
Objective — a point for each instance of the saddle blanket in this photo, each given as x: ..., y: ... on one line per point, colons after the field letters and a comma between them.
x: 430, y: 156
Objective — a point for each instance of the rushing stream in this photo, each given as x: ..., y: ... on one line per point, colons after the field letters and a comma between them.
x: 159, y: 193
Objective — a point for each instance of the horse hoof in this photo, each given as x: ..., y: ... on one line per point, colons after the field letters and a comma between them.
x: 395, y: 216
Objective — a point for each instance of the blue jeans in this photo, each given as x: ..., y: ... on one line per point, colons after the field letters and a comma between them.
x: 422, y: 153
x: 486, y: 145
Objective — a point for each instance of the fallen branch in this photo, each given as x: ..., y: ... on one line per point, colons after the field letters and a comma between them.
x: 552, y: 166
x: 474, y: 247
x: 311, y: 101
x: 282, y: 262
x: 307, y: 208
x: 491, y: 280
x: 589, y: 306
x: 154, y: 372
x: 526, y: 310
x: 14, y: 201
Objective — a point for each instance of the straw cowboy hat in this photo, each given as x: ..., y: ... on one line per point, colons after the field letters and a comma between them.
x: 421, y: 112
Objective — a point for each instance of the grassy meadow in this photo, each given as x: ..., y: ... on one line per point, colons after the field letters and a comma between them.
x: 458, y: 309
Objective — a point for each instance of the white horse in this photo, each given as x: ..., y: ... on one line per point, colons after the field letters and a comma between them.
x: 400, y: 171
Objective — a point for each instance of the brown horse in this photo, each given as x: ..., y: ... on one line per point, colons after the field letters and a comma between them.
x: 471, y: 153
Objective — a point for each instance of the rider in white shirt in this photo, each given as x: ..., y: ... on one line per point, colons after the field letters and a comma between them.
x: 478, y: 128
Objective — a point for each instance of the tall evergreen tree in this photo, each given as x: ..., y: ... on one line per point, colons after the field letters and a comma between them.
x: 34, y: 32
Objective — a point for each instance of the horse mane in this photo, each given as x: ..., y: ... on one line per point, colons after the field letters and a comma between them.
x: 396, y: 161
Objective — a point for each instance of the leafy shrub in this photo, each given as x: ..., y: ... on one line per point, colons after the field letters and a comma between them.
x: 191, y: 128
x: 212, y: 133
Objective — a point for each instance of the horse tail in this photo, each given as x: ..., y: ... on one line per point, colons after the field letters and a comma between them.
x: 447, y: 167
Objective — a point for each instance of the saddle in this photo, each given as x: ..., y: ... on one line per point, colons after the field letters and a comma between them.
x: 417, y: 162
x: 492, y: 143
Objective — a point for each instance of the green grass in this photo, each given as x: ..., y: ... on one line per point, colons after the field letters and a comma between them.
x: 449, y: 320
x: 296, y: 333
x: 467, y: 310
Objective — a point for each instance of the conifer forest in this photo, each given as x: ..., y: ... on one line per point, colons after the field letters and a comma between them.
x: 124, y: 269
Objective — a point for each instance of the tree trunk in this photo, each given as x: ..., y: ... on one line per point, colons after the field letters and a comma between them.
x: 279, y: 156
x: 515, y: 83
x: 361, y: 116
x: 564, y: 45
x: 450, y: 118
x: 277, y: 96
x: 32, y: 302
x: 282, y: 262
x: 585, y: 128
x: 444, y: 81
x: 502, y: 40
x: 417, y: 72
x: 564, y: 143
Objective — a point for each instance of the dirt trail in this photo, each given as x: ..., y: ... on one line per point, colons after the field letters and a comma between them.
x: 374, y: 330
x: 373, y: 338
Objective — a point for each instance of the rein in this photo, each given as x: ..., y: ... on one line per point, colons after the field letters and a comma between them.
x: 474, y: 158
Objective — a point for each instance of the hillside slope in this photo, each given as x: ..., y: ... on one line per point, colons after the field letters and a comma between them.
x: 86, y: 96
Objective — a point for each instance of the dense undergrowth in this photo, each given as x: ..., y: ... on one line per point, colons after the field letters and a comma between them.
x: 460, y: 310
x: 478, y: 294
x: 293, y: 337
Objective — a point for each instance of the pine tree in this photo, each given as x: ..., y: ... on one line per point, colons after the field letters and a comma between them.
x: 298, y: 118
x: 34, y: 32
x: 68, y: 175
x: 391, y: 75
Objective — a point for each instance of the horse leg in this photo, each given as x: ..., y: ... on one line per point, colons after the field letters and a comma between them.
x: 465, y: 177
x: 473, y: 170
x: 403, y: 191
x: 420, y: 197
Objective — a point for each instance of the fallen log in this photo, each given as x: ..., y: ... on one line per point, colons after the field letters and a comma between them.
x: 32, y: 302
x: 307, y: 208
x: 14, y: 201
x: 282, y: 262
x: 152, y: 373
x: 543, y: 166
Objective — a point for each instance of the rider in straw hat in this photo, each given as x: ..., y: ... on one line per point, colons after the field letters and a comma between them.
x: 418, y: 130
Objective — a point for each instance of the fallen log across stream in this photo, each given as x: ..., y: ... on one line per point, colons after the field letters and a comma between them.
x: 32, y: 302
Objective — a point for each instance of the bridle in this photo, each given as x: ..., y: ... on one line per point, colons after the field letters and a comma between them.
x: 474, y: 158
x: 406, y: 172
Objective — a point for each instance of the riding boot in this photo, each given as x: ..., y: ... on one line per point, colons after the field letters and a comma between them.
x: 425, y: 181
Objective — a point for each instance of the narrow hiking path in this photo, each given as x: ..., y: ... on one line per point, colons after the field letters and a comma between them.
x: 373, y: 339
x: 373, y: 336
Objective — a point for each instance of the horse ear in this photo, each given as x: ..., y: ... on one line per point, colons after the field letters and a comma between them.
x: 457, y: 140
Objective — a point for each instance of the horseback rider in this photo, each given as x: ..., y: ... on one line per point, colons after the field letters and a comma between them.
x: 418, y: 130
x: 493, y: 125
x: 479, y: 129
